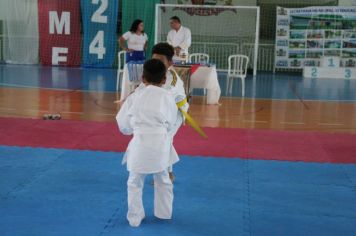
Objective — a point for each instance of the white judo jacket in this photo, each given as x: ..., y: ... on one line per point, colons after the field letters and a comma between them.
x: 181, y: 38
x: 149, y: 114
x: 175, y: 86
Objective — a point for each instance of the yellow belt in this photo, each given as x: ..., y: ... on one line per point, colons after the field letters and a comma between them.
x: 189, y: 119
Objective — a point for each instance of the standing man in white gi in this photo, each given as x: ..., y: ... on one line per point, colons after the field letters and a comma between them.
x: 180, y: 38
x: 150, y: 114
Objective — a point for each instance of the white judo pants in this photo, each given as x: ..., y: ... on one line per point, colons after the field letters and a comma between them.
x: 163, y: 196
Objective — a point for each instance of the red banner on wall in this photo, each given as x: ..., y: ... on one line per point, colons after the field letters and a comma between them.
x: 59, y: 29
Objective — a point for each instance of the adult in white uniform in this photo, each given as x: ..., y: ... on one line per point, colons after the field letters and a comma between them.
x: 180, y: 38
x: 149, y: 114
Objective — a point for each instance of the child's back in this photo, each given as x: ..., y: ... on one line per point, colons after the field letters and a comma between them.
x: 149, y: 114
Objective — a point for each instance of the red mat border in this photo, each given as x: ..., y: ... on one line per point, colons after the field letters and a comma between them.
x: 221, y: 142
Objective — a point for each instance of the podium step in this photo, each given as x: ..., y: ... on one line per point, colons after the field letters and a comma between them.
x: 329, y: 72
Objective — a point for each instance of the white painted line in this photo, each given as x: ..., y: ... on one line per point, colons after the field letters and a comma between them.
x: 70, y: 112
x: 8, y: 109
x: 292, y: 123
x: 255, y: 121
x: 330, y: 124
x: 214, y: 119
x: 45, y: 111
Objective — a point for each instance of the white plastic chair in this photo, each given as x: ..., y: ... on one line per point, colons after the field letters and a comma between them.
x: 120, y: 68
x: 199, y: 57
x: 237, y: 69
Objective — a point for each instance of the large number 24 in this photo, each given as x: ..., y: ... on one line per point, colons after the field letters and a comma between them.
x: 97, y: 45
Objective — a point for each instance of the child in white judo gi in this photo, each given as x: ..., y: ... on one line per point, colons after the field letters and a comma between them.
x: 165, y: 53
x: 149, y: 114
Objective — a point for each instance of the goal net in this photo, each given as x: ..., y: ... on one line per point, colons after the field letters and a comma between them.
x: 219, y: 31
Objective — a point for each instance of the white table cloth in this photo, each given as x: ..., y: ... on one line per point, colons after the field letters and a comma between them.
x: 205, y: 77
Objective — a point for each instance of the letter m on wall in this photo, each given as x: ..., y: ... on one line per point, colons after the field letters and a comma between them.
x: 56, y: 24
x: 59, y: 30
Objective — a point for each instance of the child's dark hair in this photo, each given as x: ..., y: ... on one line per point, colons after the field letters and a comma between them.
x: 164, y: 49
x: 154, y: 71
x: 176, y: 18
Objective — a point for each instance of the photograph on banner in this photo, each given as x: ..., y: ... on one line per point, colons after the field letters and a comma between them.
x: 282, y: 43
x: 297, y: 34
x: 332, y: 44
x: 282, y: 11
x: 296, y: 44
x: 314, y: 32
x: 314, y: 54
x: 311, y: 63
x: 282, y: 32
x: 283, y: 22
x: 349, y: 34
x: 330, y: 53
x: 297, y: 54
x: 348, y: 62
x: 295, y: 63
x: 351, y: 43
x: 282, y: 63
x: 349, y: 53
x: 281, y: 52
x: 314, y: 44
x: 332, y: 34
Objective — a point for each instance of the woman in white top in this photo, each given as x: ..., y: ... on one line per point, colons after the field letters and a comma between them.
x: 134, y: 42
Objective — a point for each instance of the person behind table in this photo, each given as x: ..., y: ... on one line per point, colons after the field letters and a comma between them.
x: 180, y: 38
x: 149, y: 114
x: 134, y: 42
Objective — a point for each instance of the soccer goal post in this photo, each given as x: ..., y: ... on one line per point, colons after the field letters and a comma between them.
x: 219, y: 31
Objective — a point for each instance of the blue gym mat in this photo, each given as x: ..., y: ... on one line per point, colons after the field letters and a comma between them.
x: 46, y: 191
